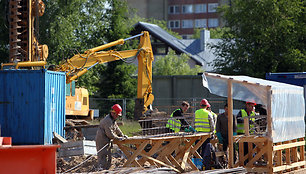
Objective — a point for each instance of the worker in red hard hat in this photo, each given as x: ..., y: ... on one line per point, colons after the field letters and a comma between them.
x: 204, y: 122
x: 248, y: 111
x: 107, y: 131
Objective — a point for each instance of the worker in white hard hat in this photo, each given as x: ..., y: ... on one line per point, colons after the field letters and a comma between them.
x: 107, y: 131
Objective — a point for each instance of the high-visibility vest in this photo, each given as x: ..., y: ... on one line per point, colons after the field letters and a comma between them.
x: 240, y: 126
x: 174, y: 124
x: 201, y: 121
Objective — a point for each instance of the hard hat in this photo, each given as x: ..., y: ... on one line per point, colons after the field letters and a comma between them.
x: 205, y: 102
x: 251, y: 102
x: 117, y: 109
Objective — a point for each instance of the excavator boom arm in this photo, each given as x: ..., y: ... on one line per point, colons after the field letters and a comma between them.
x: 79, y: 64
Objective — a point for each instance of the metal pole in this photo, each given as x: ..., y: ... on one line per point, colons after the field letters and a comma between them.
x: 124, y: 109
x: 132, y: 37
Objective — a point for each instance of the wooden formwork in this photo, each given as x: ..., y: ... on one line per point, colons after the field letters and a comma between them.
x: 266, y: 157
x: 263, y: 156
x: 173, y: 151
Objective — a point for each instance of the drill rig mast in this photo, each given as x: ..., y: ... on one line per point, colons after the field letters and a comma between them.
x: 24, y: 46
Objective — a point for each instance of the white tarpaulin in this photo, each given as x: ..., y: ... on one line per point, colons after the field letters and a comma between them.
x: 287, y: 101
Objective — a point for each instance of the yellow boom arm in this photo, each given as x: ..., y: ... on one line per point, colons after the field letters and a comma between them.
x: 79, y: 64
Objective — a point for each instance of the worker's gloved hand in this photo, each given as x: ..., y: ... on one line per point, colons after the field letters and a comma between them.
x: 191, y: 129
x: 234, y: 133
x: 220, y: 137
x: 186, y: 130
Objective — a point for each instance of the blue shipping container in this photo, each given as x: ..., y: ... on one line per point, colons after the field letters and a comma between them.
x: 293, y: 78
x: 32, y: 105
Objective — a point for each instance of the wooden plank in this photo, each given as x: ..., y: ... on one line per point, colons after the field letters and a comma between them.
x: 156, y: 145
x: 290, y: 166
x: 279, y: 160
x: 173, y: 161
x: 194, y: 167
x: 270, y: 155
x: 186, y: 147
x: 257, y: 156
x: 199, y: 144
x: 136, y: 153
x: 126, y: 151
x: 185, y: 158
x: 290, y: 145
x: 246, y: 126
x: 302, y: 150
x: 294, y: 153
x: 162, y: 163
x: 287, y: 152
x: 169, y: 149
x: 230, y: 122
x: 269, y: 112
x: 241, y: 153
x: 250, y: 149
x: 57, y: 137
x: 252, y: 139
x: 197, y: 155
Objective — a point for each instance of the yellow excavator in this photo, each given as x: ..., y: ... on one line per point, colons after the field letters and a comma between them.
x: 79, y: 64
x: 26, y: 52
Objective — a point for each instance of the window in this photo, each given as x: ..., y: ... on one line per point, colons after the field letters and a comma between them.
x: 212, y: 7
x: 84, y: 100
x: 200, y: 23
x: 200, y: 8
x: 187, y: 9
x: 187, y: 24
x: 174, y: 9
x: 174, y: 24
x: 187, y: 36
x: 213, y: 22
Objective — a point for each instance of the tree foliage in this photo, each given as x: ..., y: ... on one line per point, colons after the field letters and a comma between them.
x: 72, y: 26
x: 263, y: 36
x: 4, y: 36
x: 173, y: 64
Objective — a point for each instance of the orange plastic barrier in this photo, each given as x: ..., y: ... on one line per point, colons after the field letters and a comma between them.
x: 5, y: 141
x: 28, y: 159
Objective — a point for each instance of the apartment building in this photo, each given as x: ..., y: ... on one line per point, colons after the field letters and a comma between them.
x: 182, y: 16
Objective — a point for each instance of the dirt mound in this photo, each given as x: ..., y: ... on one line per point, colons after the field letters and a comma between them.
x: 65, y: 164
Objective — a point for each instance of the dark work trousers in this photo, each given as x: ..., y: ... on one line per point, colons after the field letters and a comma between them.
x: 246, y: 151
x: 206, y: 151
x: 225, y: 145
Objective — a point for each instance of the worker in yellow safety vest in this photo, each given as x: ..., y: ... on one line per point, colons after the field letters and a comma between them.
x: 248, y: 111
x: 204, y: 122
x: 175, y: 125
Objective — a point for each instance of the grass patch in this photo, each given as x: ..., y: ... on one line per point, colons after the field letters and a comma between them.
x: 130, y: 128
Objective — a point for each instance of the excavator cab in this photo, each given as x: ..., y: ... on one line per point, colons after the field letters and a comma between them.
x: 77, y: 103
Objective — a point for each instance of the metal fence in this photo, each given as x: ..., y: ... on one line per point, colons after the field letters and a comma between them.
x: 167, y: 105
x: 162, y: 109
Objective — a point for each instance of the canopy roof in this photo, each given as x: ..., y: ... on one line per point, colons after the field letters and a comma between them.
x: 286, y: 101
